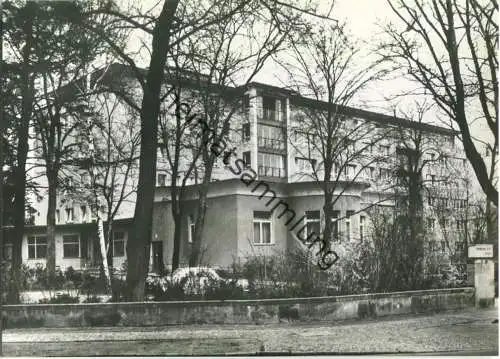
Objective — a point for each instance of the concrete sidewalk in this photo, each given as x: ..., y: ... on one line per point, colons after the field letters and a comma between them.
x: 470, y: 331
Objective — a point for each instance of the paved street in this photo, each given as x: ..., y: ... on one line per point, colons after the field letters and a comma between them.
x: 470, y: 331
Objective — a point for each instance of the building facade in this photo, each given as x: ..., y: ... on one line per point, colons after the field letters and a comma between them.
x: 267, y: 186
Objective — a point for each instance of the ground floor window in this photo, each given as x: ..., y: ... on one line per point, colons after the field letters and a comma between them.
x: 7, y: 251
x: 118, y: 244
x: 335, y: 224
x: 361, y: 227
x: 349, y: 214
x: 312, y: 223
x: 262, y: 227
x: 71, y: 246
x: 191, y: 227
x: 37, y: 247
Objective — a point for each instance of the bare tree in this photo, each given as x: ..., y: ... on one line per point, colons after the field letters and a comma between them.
x: 330, y: 138
x: 107, y: 166
x: 161, y: 29
x: 448, y: 48
x: 220, y: 65
x: 18, y: 36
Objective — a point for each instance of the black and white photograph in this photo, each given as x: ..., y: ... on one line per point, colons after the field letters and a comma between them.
x: 184, y: 178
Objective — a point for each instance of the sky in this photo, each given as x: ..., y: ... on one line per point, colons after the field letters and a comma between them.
x: 364, y: 19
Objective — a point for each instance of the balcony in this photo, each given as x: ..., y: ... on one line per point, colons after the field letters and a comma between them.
x: 271, y: 115
x: 272, y: 171
x: 271, y: 143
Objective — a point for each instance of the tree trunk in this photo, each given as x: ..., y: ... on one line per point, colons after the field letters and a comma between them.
x: 104, y: 252
x: 194, y: 259
x: 177, y: 214
x: 19, y: 172
x: 139, y: 243
x: 51, y: 222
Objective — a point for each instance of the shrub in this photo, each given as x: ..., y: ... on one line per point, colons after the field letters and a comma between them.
x: 92, y: 299
x: 60, y: 299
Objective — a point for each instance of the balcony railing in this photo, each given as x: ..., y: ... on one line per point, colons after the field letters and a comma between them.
x: 273, y: 143
x: 268, y: 114
x: 272, y: 171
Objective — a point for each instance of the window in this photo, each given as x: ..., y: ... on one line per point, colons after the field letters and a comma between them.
x: 384, y: 150
x: 430, y: 224
x: 305, y: 164
x: 443, y: 246
x: 384, y: 173
x: 247, y: 158
x: 335, y: 224
x: 271, y: 165
x: 71, y: 246
x: 69, y: 182
x: 369, y: 173
x: 350, y: 171
x: 283, y: 110
x: 84, y: 177
x: 118, y: 244
x: 312, y: 223
x: 70, y: 215
x: 7, y: 251
x: 262, y: 227
x: 246, y: 101
x: 83, y: 211
x: 58, y: 216
x: 191, y: 226
x: 37, y: 247
x: 271, y: 137
x: 269, y: 108
x: 368, y: 146
x: 348, y: 224
x: 162, y: 179
x: 361, y: 227
x: 245, y: 132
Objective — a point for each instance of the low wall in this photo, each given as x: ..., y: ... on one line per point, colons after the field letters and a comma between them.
x: 317, y: 309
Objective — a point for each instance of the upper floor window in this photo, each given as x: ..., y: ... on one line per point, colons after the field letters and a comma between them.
x: 247, y: 158
x: 283, y: 110
x: 262, y: 227
x: 385, y: 149
x: 305, y: 164
x: 70, y: 214
x: 350, y: 171
x: 271, y: 137
x: 83, y: 212
x: 245, y: 131
x: 430, y: 224
x: 37, y: 247
x: 246, y: 101
x: 269, y: 108
x: 118, y: 244
x: 162, y: 179
x: 271, y: 165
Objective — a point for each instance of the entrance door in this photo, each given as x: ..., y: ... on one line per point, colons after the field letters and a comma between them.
x: 157, y: 257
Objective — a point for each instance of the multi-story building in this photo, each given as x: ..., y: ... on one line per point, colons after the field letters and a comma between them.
x: 267, y: 182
